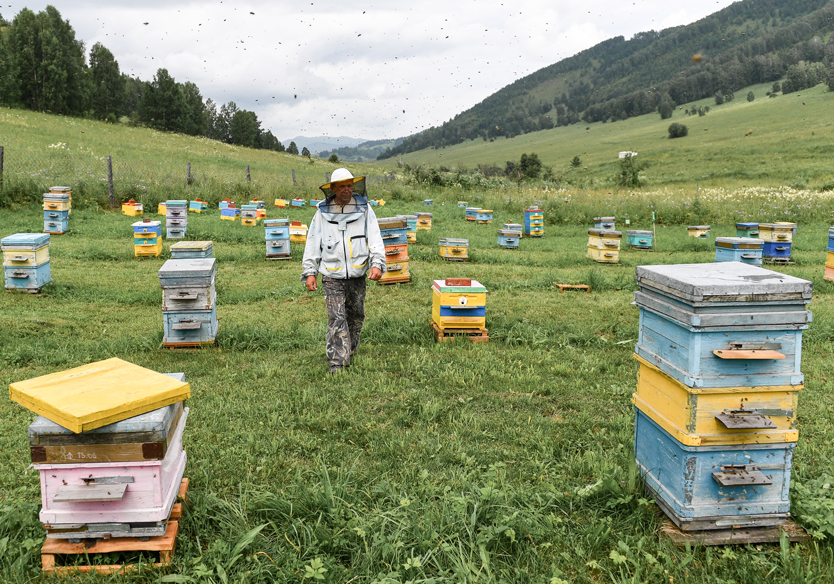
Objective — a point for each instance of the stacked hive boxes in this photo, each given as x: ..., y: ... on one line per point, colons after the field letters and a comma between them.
x: 249, y: 215
x: 176, y: 219
x: 188, y: 250
x: 26, y: 261
x: 56, y: 209
x: 453, y: 249
x: 198, y: 206
x: 747, y: 230
x: 472, y: 213
x: 533, y: 222
x: 699, y: 231
x: 261, y: 208
x: 719, y: 350
x: 458, y: 303
x: 393, y: 230
x: 277, y: 239
x: 298, y: 232
x: 410, y: 227
x: 423, y: 221
x: 229, y: 212
x: 607, y: 223
x: 508, y: 238
x: 604, y: 245
x: 739, y: 249
x: 63, y: 191
x: 829, y: 261
x: 147, y: 238
x: 640, y: 239
x: 189, y: 311
x: 132, y: 208
x: 108, y: 447
x: 778, y: 239
x: 484, y: 216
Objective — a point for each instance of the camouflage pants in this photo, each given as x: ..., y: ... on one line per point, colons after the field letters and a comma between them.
x: 345, y: 300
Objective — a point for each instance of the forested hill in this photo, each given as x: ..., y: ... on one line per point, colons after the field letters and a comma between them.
x: 752, y: 41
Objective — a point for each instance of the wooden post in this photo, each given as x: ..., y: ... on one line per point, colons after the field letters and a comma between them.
x: 110, y: 188
x: 188, y: 178
x: 248, y: 178
x: 293, y: 178
x: 1, y: 165
x: 327, y: 177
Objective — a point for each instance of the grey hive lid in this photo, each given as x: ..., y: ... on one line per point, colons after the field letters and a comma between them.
x: 509, y: 232
x: 638, y: 232
x: 596, y: 231
x: 739, y: 240
x: 190, y: 267
x: 724, y: 281
x: 601, y: 219
x: 28, y: 240
x: 697, y: 227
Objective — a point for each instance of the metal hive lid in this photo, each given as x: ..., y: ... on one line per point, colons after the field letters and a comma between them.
x: 723, y: 282
x: 35, y: 240
x: 189, y: 267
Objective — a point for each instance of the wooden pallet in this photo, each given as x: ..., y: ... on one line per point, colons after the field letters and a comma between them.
x: 449, y: 334
x: 779, y: 261
x: 400, y: 280
x: 187, y: 345
x: 739, y: 536
x: 165, y: 545
x: 25, y: 290
x: 580, y: 287
x: 281, y: 257
x: 456, y: 259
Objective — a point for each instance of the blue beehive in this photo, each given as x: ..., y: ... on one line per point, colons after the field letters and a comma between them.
x: 185, y: 250
x: 606, y: 223
x: 484, y: 216
x: 777, y: 249
x: 472, y: 213
x: 186, y: 328
x: 277, y: 238
x: 509, y: 238
x: 747, y: 230
x: 26, y: 264
x: 428, y: 202
x: 710, y: 487
x: 739, y: 249
x: 189, y: 312
x: 830, y: 239
x: 640, y: 239
x: 229, y: 213
x: 396, y: 236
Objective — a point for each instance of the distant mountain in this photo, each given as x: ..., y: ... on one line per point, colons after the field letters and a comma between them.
x: 318, y: 143
x: 365, y: 151
x: 748, y: 42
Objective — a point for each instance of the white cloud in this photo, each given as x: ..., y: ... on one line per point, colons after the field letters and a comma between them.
x: 351, y: 68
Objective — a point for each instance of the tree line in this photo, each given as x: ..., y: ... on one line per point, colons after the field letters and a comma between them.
x: 43, y: 67
x: 749, y: 42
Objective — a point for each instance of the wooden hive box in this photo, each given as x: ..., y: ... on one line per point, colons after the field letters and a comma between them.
x: 190, y: 272
x: 230, y: 213
x: 699, y: 231
x: 132, y: 208
x: 195, y: 206
x: 224, y: 203
x: 148, y: 250
x: 717, y: 416
x: 27, y: 279
x: 278, y: 247
x: 484, y: 216
x: 604, y: 240
x: 777, y: 232
x: 57, y: 226
x: 604, y: 256
x: 463, y: 204
x: 396, y: 271
x: 423, y: 221
x: 189, y: 328
x: 714, y: 487
x: 453, y: 248
x: 315, y: 202
x: 533, y: 222
x: 183, y: 250
x: 25, y: 250
x: 508, y: 238
x: 739, y: 249
x: 162, y: 209
x: 127, y: 492
x: 459, y: 307
x: 98, y: 394
x: 747, y: 230
x: 188, y: 298
x: 607, y: 223
x: 428, y: 202
x: 147, y: 229
x: 773, y: 249
x: 640, y: 239
x: 472, y: 213
x: 298, y: 202
x: 281, y: 203
x: 298, y: 232
x: 276, y: 229
x: 396, y: 253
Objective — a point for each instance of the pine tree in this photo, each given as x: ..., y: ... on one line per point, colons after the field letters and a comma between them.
x: 107, y: 83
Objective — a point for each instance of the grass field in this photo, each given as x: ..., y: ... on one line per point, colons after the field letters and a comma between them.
x: 791, y: 142
x: 509, y: 461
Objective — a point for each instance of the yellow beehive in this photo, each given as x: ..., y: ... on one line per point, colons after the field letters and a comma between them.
x: 148, y: 250
x: 693, y: 415
x: 98, y: 394
x: 26, y: 258
x: 829, y: 260
x: 249, y: 221
x: 131, y: 208
x: 423, y: 221
x: 396, y: 271
x: 458, y: 307
x: 604, y: 256
x: 281, y: 203
x: 776, y: 232
x: 701, y: 231
x: 56, y: 205
x: 298, y: 232
x: 161, y: 209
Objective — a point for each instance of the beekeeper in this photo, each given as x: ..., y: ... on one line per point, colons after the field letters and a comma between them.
x: 344, y: 245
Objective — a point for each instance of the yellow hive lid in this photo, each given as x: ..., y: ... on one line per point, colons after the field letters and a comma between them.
x: 98, y: 394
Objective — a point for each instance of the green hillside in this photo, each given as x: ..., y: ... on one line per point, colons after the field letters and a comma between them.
x: 791, y: 142
x: 41, y: 150
x: 749, y: 42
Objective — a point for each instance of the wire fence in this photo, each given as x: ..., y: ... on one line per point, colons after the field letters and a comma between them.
x: 25, y: 175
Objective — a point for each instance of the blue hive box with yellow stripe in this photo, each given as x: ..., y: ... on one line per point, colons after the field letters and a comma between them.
x: 26, y: 265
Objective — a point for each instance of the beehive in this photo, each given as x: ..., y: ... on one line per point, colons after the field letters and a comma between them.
x: 484, y: 216
x: 410, y: 227
x: 395, y: 239
x: 298, y: 232
x: 428, y: 202
x: 176, y: 218
x: 459, y: 306
x: 297, y: 202
x: 281, y: 203
x: 719, y: 351
x: 277, y: 238
x: 509, y: 238
x: 63, y: 191
x: 189, y: 307
x: 147, y: 238
x: 739, y: 249
x: 197, y: 206
x: 224, y: 204
x: 315, y: 202
x: 423, y: 221
x: 132, y: 208
x: 604, y: 245
x: 829, y: 262
x: 472, y: 213
x: 161, y: 209
x: 699, y: 231
x: 533, y: 222
x: 640, y: 239
x: 184, y: 250
x: 454, y: 249
x: 607, y: 223
x: 26, y: 265
x: 56, y: 210
x: 230, y: 212
x: 747, y: 230
x: 463, y: 204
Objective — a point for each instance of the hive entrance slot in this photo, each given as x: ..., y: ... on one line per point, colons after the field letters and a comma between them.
x: 740, y: 475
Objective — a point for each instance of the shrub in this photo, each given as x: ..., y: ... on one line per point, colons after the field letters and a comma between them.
x: 678, y: 130
x: 333, y: 158
x: 750, y: 96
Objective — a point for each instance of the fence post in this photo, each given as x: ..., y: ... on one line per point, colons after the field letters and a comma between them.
x: 293, y: 178
x: 188, y: 178
x: 110, y: 188
x: 1, y: 165
x: 248, y: 178
x: 327, y: 177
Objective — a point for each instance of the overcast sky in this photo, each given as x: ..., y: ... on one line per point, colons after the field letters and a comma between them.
x: 353, y: 68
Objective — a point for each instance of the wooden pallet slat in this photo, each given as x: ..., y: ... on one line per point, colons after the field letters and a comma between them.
x: 579, y: 287
x: 740, y: 536
x: 449, y: 334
